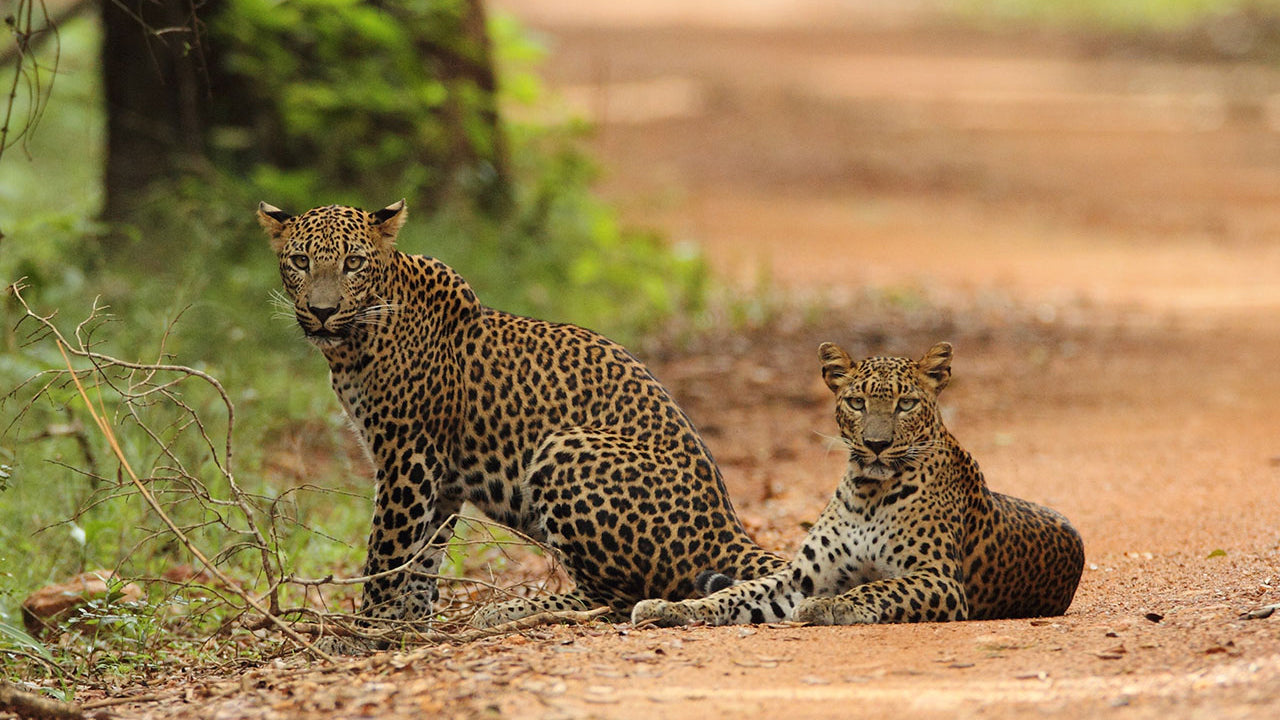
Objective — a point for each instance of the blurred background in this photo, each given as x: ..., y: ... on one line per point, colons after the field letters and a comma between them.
x: 1112, y: 151
x: 662, y: 172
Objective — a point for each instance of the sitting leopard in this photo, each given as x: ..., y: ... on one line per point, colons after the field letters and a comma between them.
x: 912, y: 533
x: 547, y: 428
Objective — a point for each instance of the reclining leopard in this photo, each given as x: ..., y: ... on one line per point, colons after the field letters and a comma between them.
x: 547, y: 428
x: 912, y: 533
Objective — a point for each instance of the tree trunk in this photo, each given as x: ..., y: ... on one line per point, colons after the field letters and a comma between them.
x: 496, y: 197
x: 478, y: 157
x: 156, y: 89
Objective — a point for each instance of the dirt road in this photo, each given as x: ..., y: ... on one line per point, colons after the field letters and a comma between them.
x: 1094, y: 223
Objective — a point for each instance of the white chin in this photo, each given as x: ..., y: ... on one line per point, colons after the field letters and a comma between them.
x: 876, y: 471
x: 325, y: 341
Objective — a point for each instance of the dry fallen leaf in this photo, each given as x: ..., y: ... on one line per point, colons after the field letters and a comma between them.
x: 44, y: 608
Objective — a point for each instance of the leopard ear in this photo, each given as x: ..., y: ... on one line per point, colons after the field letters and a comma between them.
x: 272, y: 219
x: 389, y: 220
x: 835, y: 365
x: 935, y: 366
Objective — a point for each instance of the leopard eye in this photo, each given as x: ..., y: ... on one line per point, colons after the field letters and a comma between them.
x: 353, y: 263
x: 906, y: 404
x: 300, y: 261
x: 856, y: 403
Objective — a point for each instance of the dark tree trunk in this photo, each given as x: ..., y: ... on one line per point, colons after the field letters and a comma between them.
x: 156, y: 90
x: 466, y: 57
x: 477, y: 67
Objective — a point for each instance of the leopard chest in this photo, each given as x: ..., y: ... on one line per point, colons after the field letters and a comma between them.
x: 874, y: 531
x: 397, y: 408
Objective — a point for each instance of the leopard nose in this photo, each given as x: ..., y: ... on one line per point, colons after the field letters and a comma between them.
x: 322, y: 313
x: 876, y: 446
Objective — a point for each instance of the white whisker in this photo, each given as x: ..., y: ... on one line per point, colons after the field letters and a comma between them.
x: 283, y: 306
x: 835, y: 441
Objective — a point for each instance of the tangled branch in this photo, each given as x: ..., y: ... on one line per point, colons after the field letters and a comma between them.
x: 29, y: 704
x: 30, y: 26
x: 141, y: 392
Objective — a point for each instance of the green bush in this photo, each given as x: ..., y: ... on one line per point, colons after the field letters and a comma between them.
x: 349, y: 99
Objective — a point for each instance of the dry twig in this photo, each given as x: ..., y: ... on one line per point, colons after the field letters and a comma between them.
x: 140, y: 390
x: 143, y: 388
x: 28, y: 704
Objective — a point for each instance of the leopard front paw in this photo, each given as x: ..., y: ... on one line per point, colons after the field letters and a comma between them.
x: 815, y: 611
x: 662, y: 613
x: 832, y: 611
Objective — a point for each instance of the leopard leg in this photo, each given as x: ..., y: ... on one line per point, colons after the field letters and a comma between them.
x: 630, y: 521
x: 518, y: 608
x: 927, y: 596
x: 411, y: 525
x: 822, y: 566
x: 768, y: 599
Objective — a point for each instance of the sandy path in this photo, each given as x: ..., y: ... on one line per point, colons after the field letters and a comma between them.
x: 1126, y: 206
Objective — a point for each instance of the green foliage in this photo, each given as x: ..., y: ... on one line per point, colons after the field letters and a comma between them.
x: 17, y: 637
x: 170, y: 428
x: 351, y: 98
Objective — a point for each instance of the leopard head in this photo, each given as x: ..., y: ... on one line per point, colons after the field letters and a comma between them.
x: 886, y: 407
x: 332, y: 261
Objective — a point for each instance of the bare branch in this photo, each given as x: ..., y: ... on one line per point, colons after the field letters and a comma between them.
x: 35, y: 39
x: 28, y: 71
x: 101, y: 362
x: 29, y: 704
x: 148, y: 405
